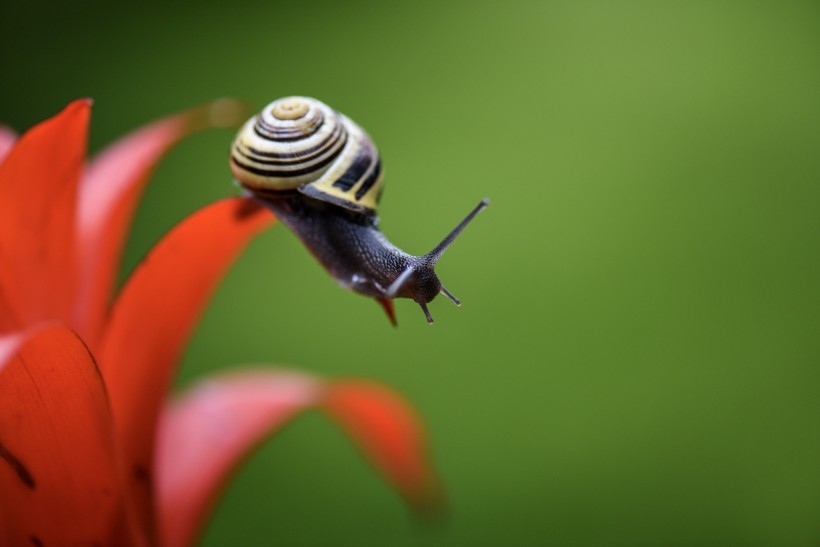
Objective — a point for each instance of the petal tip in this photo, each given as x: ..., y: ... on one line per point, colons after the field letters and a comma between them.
x: 426, y: 499
x: 224, y: 113
x: 227, y: 112
x: 392, y: 437
x: 431, y: 512
x: 82, y: 103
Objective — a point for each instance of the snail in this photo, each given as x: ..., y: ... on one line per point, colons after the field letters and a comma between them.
x: 321, y: 175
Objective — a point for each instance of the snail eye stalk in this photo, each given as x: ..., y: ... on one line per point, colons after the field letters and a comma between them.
x: 433, y: 256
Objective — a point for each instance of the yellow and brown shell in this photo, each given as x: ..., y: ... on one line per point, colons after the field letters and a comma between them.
x: 299, y: 143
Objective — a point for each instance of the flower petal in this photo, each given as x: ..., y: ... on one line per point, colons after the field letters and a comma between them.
x: 153, y: 317
x: 7, y: 138
x: 59, y: 479
x: 109, y: 195
x: 38, y: 185
x: 207, y: 432
x: 9, y: 342
x: 391, y: 435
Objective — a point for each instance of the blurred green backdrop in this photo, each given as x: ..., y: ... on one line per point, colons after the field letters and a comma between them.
x: 636, y: 361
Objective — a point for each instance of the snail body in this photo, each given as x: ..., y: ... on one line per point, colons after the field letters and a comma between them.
x: 320, y: 173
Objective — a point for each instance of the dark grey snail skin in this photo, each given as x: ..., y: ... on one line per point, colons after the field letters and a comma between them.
x: 358, y: 255
x: 352, y: 248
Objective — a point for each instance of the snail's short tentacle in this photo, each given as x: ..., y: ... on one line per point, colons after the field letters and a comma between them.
x: 450, y: 295
x: 426, y: 312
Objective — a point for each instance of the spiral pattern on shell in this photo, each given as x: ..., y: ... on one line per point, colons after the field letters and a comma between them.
x: 299, y: 143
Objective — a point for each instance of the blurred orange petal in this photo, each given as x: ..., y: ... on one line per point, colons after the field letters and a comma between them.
x: 38, y: 186
x: 9, y: 318
x: 7, y: 138
x: 155, y: 314
x: 58, y: 476
x: 9, y: 342
x: 391, y: 436
x: 109, y: 194
x: 209, y: 431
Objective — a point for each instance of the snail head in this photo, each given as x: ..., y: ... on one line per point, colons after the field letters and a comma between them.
x: 419, y: 281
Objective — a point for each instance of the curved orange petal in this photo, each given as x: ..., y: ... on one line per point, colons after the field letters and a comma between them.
x: 391, y: 435
x: 59, y: 480
x: 153, y: 317
x: 109, y: 194
x: 7, y: 138
x: 208, y: 431
x: 38, y: 185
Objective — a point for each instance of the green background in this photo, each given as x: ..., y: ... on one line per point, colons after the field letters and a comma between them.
x: 636, y: 359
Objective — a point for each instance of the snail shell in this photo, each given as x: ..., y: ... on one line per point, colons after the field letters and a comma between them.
x: 299, y: 143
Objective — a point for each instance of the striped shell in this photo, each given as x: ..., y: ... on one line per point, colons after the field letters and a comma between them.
x: 299, y: 143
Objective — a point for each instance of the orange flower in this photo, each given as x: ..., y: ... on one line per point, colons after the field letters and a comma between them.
x: 91, y: 449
